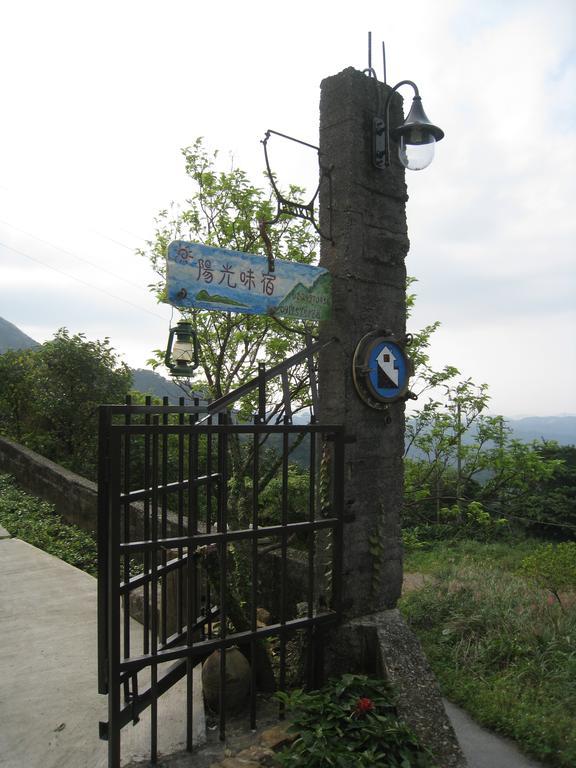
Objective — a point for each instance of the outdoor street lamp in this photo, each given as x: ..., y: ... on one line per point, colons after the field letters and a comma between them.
x: 181, y: 356
x: 416, y: 136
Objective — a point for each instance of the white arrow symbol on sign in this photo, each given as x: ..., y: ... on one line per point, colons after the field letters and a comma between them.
x: 386, y: 361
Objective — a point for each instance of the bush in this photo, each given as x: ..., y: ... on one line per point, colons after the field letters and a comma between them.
x: 476, y: 525
x: 501, y: 650
x: 553, y: 566
x: 35, y: 521
x: 351, y: 723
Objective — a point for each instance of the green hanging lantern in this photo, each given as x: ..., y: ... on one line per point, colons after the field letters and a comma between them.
x: 181, y: 356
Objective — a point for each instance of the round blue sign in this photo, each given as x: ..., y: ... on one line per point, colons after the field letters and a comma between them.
x: 387, y: 370
x: 381, y: 370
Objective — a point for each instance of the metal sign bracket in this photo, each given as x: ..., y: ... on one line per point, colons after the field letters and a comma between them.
x: 295, y: 208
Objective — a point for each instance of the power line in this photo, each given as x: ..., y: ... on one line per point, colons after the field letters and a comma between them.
x: 79, y: 280
x: 71, y: 253
x: 117, y: 242
x: 536, y: 521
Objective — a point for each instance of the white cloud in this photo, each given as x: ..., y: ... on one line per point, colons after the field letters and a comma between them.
x: 101, y: 97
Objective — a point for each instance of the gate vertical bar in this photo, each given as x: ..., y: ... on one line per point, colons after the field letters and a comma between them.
x: 164, y: 527
x: 154, y: 601
x: 283, y: 575
x: 146, y: 588
x: 338, y: 511
x: 261, y: 393
x: 254, y: 591
x: 126, y: 569
x: 114, y: 604
x: 209, y: 501
x: 311, y: 553
x: 223, y: 547
x: 103, y: 539
x: 191, y: 611
x: 192, y: 582
x: 180, y: 579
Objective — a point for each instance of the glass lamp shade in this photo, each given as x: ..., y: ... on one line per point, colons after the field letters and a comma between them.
x: 416, y: 138
x: 416, y: 156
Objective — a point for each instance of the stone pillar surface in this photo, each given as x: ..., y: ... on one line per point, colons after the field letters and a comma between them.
x: 366, y: 260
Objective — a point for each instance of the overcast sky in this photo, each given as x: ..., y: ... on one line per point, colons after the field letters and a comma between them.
x: 97, y: 99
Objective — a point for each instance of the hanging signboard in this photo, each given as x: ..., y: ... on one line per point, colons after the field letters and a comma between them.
x: 203, y: 277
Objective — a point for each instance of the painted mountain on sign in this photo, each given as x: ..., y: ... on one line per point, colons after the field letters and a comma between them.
x: 313, y: 303
x: 203, y: 295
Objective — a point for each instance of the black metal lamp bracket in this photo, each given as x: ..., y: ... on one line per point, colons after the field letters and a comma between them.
x: 296, y: 208
x: 382, y: 128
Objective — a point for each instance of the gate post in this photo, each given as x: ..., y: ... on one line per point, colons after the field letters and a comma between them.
x: 365, y: 210
x: 366, y: 261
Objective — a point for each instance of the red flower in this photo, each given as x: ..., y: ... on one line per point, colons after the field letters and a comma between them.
x: 363, y: 706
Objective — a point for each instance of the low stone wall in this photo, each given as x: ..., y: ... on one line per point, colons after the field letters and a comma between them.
x: 74, y: 497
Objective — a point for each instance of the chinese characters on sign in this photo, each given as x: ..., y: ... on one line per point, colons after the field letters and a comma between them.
x: 232, y: 281
x: 247, y: 278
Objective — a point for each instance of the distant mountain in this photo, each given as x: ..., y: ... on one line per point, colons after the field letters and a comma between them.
x: 151, y: 383
x: 562, y: 429
x: 12, y: 337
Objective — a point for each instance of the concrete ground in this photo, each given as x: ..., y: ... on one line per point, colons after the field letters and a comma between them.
x: 482, y: 748
x: 49, y: 701
x: 49, y: 705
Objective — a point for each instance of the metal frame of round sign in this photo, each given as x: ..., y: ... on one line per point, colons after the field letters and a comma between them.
x: 381, y: 369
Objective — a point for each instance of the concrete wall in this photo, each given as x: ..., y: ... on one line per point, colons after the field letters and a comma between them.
x: 74, y: 497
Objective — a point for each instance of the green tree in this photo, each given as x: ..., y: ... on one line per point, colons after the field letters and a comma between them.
x: 446, y: 465
x: 224, y: 210
x: 460, y: 456
x: 53, y: 394
x: 16, y: 369
x: 551, y: 505
x: 463, y: 457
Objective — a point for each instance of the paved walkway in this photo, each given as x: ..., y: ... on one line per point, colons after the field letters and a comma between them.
x: 49, y: 701
x: 483, y: 749
x: 49, y: 705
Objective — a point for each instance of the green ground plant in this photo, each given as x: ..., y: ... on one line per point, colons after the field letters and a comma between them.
x: 553, y: 566
x: 502, y: 650
x: 35, y: 521
x: 351, y: 723
x: 432, y: 557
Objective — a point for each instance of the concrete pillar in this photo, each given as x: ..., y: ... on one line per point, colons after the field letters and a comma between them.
x: 366, y: 261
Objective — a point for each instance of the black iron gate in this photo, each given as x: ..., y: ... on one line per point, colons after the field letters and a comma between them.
x: 202, y: 525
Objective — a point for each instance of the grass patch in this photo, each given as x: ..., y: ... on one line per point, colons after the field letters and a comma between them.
x: 35, y: 521
x: 503, y: 649
x: 436, y: 558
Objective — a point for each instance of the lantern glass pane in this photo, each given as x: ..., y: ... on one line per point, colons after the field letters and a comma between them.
x: 183, y: 352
